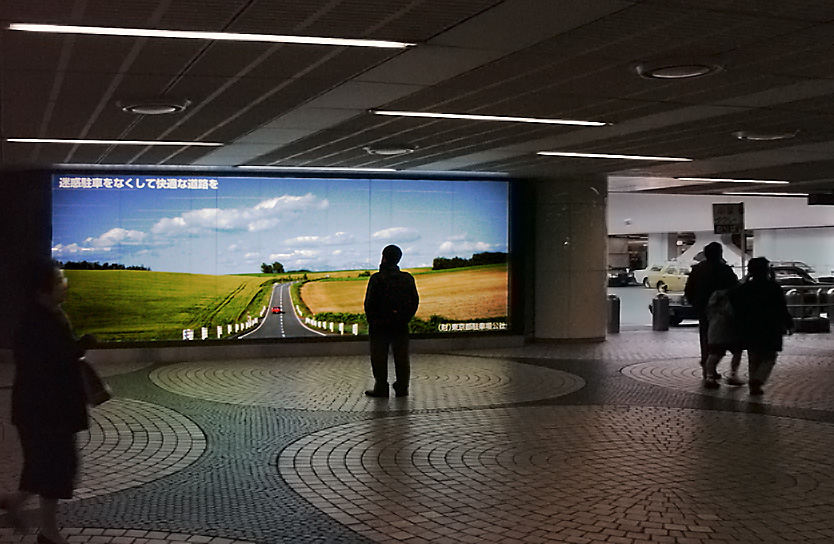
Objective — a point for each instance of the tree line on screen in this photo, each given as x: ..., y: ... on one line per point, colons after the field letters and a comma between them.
x: 439, y: 263
x: 278, y: 268
x: 86, y: 265
x: 478, y: 259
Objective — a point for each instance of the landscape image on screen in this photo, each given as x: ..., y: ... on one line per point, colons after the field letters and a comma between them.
x: 172, y: 258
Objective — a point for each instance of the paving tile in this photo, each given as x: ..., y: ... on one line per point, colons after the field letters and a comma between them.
x: 609, y: 442
x: 337, y: 383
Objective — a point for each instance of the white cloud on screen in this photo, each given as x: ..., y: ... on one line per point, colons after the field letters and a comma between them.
x: 462, y: 243
x: 59, y: 251
x: 116, y: 236
x: 336, y: 239
x: 104, y: 243
x: 296, y: 254
x: 264, y: 215
x: 397, y: 234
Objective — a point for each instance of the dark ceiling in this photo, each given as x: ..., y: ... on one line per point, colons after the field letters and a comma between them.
x: 306, y: 105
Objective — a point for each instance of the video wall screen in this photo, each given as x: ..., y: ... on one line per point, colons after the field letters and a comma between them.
x: 171, y: 258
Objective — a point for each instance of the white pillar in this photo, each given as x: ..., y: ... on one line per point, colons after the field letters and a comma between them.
x: 661, y: 248
x: 570, y: 259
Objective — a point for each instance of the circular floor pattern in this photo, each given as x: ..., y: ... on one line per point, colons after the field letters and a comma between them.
x: 570, y: 474
x: 798, y: 382
x: 337, y: 383
x: 119, y: 536
x: 130, y: 443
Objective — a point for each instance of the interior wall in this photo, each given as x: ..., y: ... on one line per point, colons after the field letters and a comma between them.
x: 637, y: 213
x: 812, y: 246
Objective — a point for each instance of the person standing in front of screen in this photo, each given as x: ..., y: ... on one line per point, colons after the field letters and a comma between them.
x: 391, y: 301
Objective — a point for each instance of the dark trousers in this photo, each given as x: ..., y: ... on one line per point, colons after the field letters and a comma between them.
x: 395, y: 338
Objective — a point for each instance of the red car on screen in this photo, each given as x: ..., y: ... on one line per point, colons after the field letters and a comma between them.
x: 277, y: 310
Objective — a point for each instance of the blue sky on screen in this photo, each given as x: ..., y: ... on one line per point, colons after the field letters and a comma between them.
x: 224, y: 225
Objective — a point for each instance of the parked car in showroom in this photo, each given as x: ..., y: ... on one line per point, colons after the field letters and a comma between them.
x: 792, y: 274
x: 620, y: 276
x: 670, y: 276
x: 640, y: 276
x: 813, y: 292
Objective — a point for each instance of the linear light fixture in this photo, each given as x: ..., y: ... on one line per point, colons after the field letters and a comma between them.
x: 196, y: 35
x: 315, y: 168
x: 735, y: 180
x: 742, y: 193
x: 611, y: 156
x: 500, y: 118
x: 109, y: 142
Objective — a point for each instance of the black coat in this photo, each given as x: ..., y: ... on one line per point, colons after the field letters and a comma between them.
x: 391, y: 299
x: 761, y: 314
x: 704, y: 279
x: 48, y: 392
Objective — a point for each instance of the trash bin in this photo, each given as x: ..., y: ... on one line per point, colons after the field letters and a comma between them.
x: 660, y: 312
x: 613, y: 314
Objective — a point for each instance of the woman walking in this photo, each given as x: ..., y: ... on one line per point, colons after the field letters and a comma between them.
x: 48, y: 402
x: 762, y: 319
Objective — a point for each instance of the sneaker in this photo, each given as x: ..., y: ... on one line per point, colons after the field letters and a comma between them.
x: 710, y: 383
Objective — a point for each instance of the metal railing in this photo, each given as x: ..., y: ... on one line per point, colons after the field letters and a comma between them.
x: 806, y: 301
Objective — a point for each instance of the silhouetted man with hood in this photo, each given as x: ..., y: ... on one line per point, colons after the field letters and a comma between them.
x: 391, y: 301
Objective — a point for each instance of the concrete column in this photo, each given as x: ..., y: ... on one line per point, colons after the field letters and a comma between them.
x: 570, y: 259
x: 661, y: 247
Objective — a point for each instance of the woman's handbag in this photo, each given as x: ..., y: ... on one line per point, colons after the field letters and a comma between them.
x: 95, y: 390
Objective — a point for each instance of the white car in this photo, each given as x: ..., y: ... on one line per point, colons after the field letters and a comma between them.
x: 668, y: 276
x: 640, y: 276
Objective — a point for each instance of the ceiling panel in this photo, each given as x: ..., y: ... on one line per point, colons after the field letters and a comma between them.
x: 294, y: 104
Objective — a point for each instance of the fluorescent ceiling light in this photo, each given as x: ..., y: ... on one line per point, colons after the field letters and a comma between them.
x: 734, y: 180
x: 194, y: 35
x: 609, y: 156
x: 741, y: 193
x: 473, y: 117
x: 315, y: 168
x: 109, y: 142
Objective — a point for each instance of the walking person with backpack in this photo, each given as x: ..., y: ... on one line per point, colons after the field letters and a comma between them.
x: 704, y: 279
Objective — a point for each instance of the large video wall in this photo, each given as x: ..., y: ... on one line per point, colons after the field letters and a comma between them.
x: 161, y: 257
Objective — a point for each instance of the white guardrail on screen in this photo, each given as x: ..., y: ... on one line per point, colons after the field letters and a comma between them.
x: 231, y: 329
x: 221, y: 331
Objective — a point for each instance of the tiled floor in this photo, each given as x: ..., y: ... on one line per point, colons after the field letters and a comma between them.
x: 614, y: 442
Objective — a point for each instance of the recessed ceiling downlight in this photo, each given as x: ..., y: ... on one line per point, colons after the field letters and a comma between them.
x: 154, y: 107
x: 390, y: 150
x: 764, y: 136
x: 677, y: 68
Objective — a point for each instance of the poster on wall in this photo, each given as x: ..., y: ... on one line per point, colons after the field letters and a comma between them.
x: 163, y: 258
